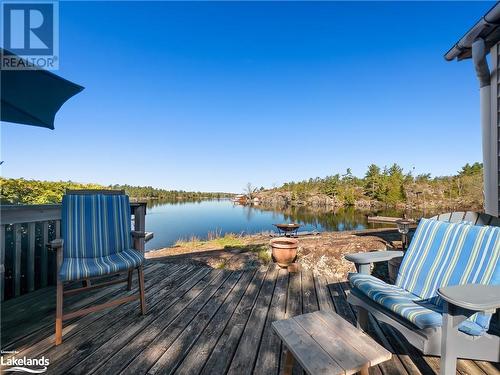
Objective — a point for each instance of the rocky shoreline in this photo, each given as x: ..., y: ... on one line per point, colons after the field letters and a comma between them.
x: 284, y: 199
x: 322, y: 253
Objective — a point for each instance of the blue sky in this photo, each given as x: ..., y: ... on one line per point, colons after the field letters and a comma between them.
x: 210, y: 96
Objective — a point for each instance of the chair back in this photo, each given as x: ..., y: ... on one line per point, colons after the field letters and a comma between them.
x: 444, y: 253
x: 95, y: 223
x: 470, y: 217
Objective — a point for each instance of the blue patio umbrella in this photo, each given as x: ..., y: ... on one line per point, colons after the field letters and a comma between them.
x: 33, y: 97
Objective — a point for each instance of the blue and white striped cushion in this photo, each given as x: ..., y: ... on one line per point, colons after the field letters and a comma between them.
x: 96, y: 230
x: 396, y: 299
x: 442, y: 254
x: 407, y: 305
x: 82, y: 268
x: 95, y: 225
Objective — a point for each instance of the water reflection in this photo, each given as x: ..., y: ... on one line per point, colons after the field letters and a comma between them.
x: 160, y: 202
x: 173, y: 220
x: 340, y: 219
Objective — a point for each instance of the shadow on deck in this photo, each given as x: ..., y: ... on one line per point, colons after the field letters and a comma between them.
x: 200, y: 321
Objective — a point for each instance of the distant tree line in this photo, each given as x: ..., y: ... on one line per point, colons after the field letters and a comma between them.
x: 392, y: 186
x: 22, y: 191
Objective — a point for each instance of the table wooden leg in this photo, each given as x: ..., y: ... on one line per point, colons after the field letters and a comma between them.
x: 363, y: 371
x: 287, y: 370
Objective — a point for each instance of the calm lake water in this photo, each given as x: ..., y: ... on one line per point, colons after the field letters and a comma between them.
x: 183, y: 220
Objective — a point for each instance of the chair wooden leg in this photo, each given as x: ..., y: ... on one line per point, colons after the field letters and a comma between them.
x: 59, y: 312
x: 129, y: 283
x: 289, y: 360
x: 141, y: 289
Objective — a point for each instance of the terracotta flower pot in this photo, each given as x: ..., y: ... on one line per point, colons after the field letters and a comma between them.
x: 284, y: 250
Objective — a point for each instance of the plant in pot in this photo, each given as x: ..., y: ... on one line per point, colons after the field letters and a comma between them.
x: 284, y: 250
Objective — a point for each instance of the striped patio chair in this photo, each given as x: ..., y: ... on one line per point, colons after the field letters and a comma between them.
x: 447, y: 289
x: 96, y: 241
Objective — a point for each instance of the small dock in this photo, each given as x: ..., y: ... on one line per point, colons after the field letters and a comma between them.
x: 385, y: 219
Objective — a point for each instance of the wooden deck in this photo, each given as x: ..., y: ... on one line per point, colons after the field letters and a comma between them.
x: 200, y: 321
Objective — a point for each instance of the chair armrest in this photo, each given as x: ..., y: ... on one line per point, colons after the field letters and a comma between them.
x: 149, y: 235
x: 474, y: 297
x: 56, y: 244
x: 373, y: 256
x: 139, y: 234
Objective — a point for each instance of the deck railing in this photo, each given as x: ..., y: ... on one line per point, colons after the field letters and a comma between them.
x: 26, y: 264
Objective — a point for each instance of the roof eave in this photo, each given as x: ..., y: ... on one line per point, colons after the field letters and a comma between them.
x: 485, y: 28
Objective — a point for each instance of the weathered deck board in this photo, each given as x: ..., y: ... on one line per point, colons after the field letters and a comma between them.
x: 29, y: 308
x: 43, y: 339
x: 40, y: 314
x: 116, y: 339
x: 309, y: 298
x: 100, y: 320
x: 148, y: 342
x: 79, y: 350
x: 194, y: 360
x: 268, y: 358
x: 293, y: 308
x: 199, y: 321
x: 222, y: 354
x: 246, y: 352
x: 180, y: 342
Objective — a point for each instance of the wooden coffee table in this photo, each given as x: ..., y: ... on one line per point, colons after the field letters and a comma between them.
x: 324, y: 343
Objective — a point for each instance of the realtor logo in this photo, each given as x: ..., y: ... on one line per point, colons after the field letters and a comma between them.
x: 11, y: 363
x: 31, y: 31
